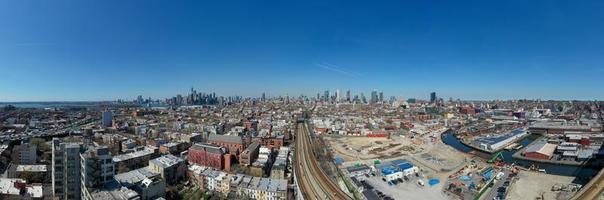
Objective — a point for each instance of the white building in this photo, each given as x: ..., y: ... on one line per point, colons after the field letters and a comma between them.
x: 394, y: 176
x: 97, y: 168
x: 11, y: 189
x: 66, y: 183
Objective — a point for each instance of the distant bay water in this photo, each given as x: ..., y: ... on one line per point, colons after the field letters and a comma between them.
x: 49, y: 104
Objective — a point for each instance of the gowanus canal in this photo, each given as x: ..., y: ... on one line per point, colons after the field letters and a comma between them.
x: 565, y: 170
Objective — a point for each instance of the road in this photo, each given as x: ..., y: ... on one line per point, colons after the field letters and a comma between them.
x: 313, y: 181
x: 498, y: 183
x: 592, y: 189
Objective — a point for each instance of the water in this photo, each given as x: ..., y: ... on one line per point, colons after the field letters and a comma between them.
x: 564, y: 170
x: 47, y: 104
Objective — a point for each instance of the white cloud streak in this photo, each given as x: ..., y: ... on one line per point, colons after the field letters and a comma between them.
x: 337, y: 69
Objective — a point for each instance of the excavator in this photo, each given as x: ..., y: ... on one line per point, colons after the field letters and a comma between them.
x: 498, y: 157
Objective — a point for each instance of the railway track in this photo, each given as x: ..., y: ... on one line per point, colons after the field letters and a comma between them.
x: 592, y: 189
x: 313, y: 181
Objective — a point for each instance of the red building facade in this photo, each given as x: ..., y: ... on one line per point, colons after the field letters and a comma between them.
x: 207, y: 155
x: 233, y: 143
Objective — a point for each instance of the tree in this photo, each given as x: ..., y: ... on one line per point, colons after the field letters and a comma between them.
x: 40, y: 145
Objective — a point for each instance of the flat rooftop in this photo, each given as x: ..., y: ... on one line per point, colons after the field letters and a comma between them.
x: 31, y: 168
x: 136, y: 154
x: 167, y: 161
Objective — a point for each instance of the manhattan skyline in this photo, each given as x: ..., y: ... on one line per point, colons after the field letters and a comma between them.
x: 89, y: 51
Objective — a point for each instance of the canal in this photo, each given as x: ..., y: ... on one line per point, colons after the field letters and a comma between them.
x: 564, y: 170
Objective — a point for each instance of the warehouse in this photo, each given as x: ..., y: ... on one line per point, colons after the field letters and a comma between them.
x: 498, y: 142
x: 541, y: 150
x: 391, y: 174
x: 358, y: 170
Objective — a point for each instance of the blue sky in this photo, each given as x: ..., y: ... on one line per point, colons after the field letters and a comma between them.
x: 104, y: 50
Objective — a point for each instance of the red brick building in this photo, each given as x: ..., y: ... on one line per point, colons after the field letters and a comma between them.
x: 271, y: 142
x: 233, y: 143
x: 543, y: 151
x: 207, y: 155
x: 467, y: 110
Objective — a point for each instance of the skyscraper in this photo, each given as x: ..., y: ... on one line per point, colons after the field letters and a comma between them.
x: 139, y: 99
x: 363, y: 99
x: 337, y: 95
x: 381, y: 97
x: 326, y: 95
x: 348, y: 99
x: 374, y: 96
x: 263, y: 97
x: 433, y: 97
x: 107, y: 119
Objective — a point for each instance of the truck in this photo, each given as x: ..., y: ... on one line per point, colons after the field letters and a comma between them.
x: 499, y: 175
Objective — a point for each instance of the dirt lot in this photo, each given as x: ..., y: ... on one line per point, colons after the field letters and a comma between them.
x: 364, y: 148
x: 531, y: 185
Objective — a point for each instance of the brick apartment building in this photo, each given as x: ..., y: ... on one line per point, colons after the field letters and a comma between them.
x: 210, y: 155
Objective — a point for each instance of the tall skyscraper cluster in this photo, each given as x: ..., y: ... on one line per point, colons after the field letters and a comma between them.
x: 337, y: 97
x: 433, y: 97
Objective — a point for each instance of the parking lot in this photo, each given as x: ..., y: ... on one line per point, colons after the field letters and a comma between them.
x: 500, y: 188
x: 409, y: 188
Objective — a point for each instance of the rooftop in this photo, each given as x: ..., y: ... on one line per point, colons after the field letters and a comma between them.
x: 225, y: 138
x: 357, y: 168
x: 115, y: 194
x: 135, y: 176
x: 209, y: 148
x: 167, y: 161
x: 542, y: 148
x: 499, y: 138
x: 31, y: 168
x: 136, y: 154
x: 8, y: 187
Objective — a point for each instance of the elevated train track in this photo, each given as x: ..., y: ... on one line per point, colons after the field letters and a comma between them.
x: 313, y: 182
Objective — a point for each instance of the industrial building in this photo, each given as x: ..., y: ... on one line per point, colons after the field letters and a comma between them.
x: 540, y: 150
x: 501, y: 141
x: 358, y: 170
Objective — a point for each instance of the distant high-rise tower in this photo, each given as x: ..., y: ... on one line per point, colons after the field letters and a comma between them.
x: 107, y: 119
x: 139, y: 99
x: 363, y: 98
x: 337, y: 95
x: 381, y: 97
x: 326, y: 95
x: 374, y: 96
x: 348, y: 99
x: 433, y: 97
x: 263, y: 97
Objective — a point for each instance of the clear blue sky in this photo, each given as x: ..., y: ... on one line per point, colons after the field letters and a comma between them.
x: 104, y: 50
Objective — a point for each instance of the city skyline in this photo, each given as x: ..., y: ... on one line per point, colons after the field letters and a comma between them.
x: 76, y: 51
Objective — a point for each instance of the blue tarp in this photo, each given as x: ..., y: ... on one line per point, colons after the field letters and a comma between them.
x: 488, y: 174
x: 405, y: 166
x: 465, y: 178
x: 387, y: 171
x: 339, y: 160
x: 433, y: 182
